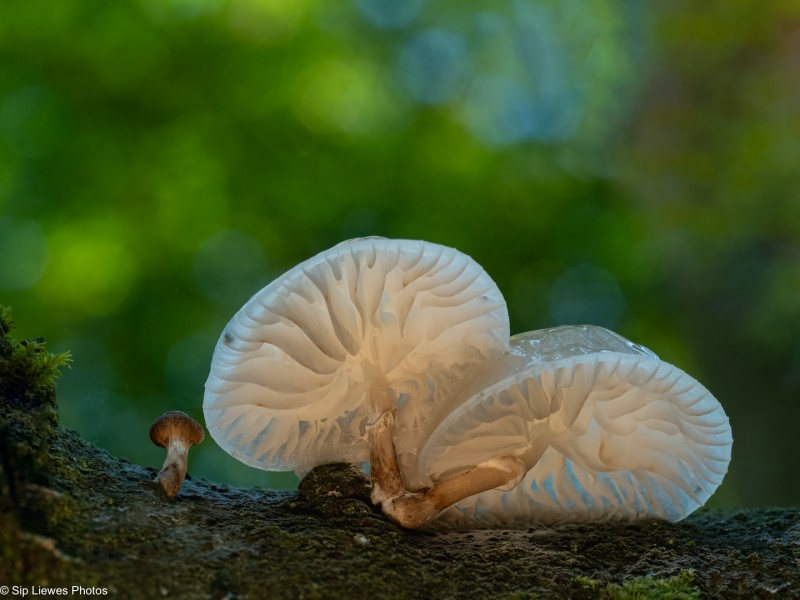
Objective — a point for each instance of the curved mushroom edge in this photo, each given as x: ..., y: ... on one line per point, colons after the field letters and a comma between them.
x: 368, y: 326
x: 173, y: 424
x: 626, y: 436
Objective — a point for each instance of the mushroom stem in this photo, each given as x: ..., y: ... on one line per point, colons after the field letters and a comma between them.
x: 378, y: 391
x: 387, y: 482
x: 171, y: 476
x: 413, y: 509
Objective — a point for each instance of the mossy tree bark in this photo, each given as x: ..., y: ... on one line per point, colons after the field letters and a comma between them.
x: 72, y: 515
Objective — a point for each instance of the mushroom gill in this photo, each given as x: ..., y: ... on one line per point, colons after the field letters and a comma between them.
x: 367, y: 327
x: 605, y: 428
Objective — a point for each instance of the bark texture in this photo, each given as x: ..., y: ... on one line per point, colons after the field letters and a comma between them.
x: 71, y: 514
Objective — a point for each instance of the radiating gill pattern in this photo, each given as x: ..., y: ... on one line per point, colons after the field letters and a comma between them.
x: 607, y: 435
x: 294, y: 368
x: 529, y: 353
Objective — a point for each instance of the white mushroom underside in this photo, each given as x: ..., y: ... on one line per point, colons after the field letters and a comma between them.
x: 292, y: 371
x: 626, y: 436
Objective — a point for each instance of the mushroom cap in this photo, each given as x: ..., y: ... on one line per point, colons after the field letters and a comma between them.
x: 176, y: 424
x: 606, y: 429
x: 367, y: 326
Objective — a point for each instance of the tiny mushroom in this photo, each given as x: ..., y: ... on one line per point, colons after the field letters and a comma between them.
x: 176, y: 431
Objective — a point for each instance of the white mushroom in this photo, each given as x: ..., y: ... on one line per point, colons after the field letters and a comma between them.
x: 605, y: 429
x: 396, y: 352
x: 351, y: 353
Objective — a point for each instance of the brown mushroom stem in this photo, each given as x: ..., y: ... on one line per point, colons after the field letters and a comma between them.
x: 171, y: 476
x: 413, y: 509
x: 387, y: 482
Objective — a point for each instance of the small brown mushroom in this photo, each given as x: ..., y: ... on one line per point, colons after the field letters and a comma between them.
x: 176, y: 431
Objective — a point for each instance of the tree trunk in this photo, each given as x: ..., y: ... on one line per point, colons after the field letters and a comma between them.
x: 72, y: 515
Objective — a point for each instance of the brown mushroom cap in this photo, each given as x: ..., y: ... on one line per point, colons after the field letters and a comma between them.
x: 176, y: 424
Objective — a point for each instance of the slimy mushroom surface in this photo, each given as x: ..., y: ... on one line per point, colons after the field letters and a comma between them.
x: 367, y: 327
x: 606, y: 429
x: 397, y: 352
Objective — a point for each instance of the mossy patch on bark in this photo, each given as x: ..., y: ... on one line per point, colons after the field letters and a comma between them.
x: 27, y: 364
x: 71, y: 514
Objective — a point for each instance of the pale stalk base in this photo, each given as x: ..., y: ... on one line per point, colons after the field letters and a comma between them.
x: 170, y: 478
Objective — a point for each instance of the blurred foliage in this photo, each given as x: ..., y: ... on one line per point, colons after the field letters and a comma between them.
x: 623, y: 163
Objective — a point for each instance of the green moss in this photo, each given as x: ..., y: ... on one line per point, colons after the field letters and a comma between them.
x: 31, y: 364
x: 27, y: 364
x: 679, y: 587
x: 586, y: 582
x: 6, y: 322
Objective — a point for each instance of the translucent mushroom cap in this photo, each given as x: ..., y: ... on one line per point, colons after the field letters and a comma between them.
x: 365, y: 327
x: 606, y: 429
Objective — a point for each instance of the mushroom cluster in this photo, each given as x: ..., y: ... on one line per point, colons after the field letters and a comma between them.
x: 396, y: 353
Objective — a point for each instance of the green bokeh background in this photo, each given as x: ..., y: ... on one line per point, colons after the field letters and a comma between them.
x: 629, y: 164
